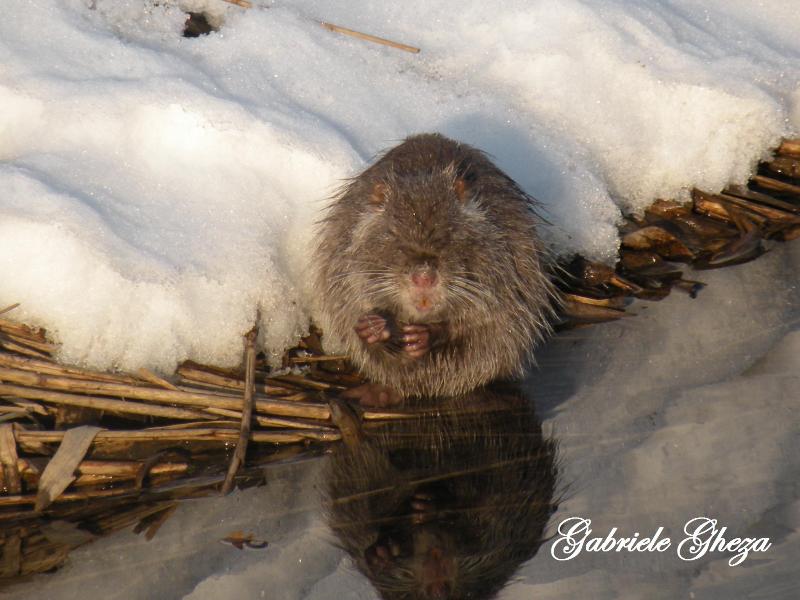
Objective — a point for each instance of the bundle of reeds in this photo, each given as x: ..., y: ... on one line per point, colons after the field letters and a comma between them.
x: 43, y: 401
x: 711, y: 231
x: 86, y: 453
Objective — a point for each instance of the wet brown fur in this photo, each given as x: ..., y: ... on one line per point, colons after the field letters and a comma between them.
x: 443, y: 204
x: 492, y: 476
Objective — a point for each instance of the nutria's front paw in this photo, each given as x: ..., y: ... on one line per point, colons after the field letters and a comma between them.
x: 382, y: 555
x: 416, y: 340
x: 423, y: 508
x: 372, y: 329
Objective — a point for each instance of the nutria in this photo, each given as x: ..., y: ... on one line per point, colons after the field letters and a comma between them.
x: 430, y: 271
x: 446, y: 504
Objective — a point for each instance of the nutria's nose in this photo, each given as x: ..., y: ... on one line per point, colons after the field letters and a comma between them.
x: 423, y: 277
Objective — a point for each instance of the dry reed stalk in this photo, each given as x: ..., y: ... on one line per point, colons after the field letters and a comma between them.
x: 83, y: 495
x: 262, y: 421
x: 297, y: 397
x: 11, y: 482
x: 348, y: 421
x: 9, y: 308
x: 369, y: 38
x: 151, y: 377
x: 87, y: 386
x: 706, y: 205
x: 791, y: 147
x: 785, y: 165
x: 118, y: 520
x: 44, y: 558
x: 94, y: 501
x: 299, y: 360
x: 283, y: 422
x: 211, y: 434
x: 224, y: 412
x: 776, y: 185
x: 60, y: 470
x: 43, y: 347
x: 11, y: 563
x: 204, y: 388
x: 22, y: 330
x: 302, y: 382
x: 200, y: 376
x: 624, y: 284
x: 89, y: 495
x: 590, y: 313
x: 153, y: 522
x: 38, y: 384
x: 208, y: 434
x: 9, y: 344
x: 117, y: 406
x: 95, y: 471
x: 287, y: 437
x: 195, y: 374
x: 387, y: 415
x: 13, y: 516
x: 18, y: 410
x: 48, y: 367
x: 285, y: 408
x: 769, y: 212
x: 127, y: 469
x: 30, y: 469
x: 617, y: 303
x: 242, y: 3
x: 219, y: 424
x: 247, y: 410
x: 741, y: 191
x: 791, y: 233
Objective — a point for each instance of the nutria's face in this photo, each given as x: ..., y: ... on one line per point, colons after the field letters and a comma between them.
x: 418, y: 239
x: 421, y: 561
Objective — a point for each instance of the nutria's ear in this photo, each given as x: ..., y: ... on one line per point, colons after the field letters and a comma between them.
x: 460, y: 187
x: 378, y: 195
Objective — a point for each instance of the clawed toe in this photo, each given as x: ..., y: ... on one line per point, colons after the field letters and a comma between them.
x: 372, y: 329
x: 416, y: 340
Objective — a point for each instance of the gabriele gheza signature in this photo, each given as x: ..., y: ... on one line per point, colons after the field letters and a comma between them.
x: 702, y: 537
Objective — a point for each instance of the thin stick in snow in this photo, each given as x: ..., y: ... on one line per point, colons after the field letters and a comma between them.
x: 369, y: 38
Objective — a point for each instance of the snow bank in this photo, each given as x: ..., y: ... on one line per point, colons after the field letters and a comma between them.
x: 157, y: 190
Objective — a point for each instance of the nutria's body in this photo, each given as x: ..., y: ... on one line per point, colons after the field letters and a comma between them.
x: 430, y: 270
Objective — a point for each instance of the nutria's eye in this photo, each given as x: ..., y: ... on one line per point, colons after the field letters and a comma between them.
x: 460, y: 188
x: 378, y: 195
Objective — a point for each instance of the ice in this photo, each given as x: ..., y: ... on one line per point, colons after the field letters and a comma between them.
x: 691, y: 414
x: 189, y: 560
x: 157, y: 190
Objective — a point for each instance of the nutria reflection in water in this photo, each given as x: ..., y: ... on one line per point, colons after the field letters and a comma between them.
x: 447, y: 504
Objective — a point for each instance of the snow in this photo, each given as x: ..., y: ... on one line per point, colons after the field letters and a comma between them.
x: 687, y: 409
x: 157, y: 190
